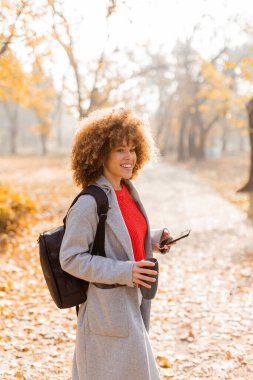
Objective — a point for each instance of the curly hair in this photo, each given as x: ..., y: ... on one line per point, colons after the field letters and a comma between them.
x: 103, y: 130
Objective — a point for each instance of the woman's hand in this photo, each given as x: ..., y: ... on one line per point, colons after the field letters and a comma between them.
x: 139, y: 273
x: 164, y: 247
x: 166, y: 235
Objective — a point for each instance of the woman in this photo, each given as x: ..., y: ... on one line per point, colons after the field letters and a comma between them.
x: 109, y: 149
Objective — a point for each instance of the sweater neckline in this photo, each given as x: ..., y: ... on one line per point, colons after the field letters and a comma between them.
x: 122, y: 190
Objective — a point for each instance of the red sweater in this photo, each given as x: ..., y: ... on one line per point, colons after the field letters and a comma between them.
x: 134, y: 220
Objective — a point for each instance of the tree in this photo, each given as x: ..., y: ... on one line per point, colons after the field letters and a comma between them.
x: 64, y: 35
x: 246, y: 66
x: 14, y: 92
x: 213, y: 101
x: 246, y: 74
x: 41, y: 102
x: 249, y: 185
x: 20, y: 87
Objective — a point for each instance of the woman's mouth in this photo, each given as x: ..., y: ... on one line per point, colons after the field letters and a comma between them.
x: 127, y: 166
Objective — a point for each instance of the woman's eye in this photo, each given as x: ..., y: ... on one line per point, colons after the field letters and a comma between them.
x: 121, y: 150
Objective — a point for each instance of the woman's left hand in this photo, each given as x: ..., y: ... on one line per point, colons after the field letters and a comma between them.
x: 164, y: 247
x: 165, y: 236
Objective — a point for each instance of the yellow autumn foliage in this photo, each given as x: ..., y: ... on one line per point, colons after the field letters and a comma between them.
x: 247, y: 60
x: 203, y: 107
x: 216, y: 90
x: 42, y: 129
x: 247, y: 72
x: 229, y: 65
x: 23, y: 80
x: 14, y: 207
x: 245, y: 66
x: 13, y: 80
x: 237, y: 122
x: 26, y: 89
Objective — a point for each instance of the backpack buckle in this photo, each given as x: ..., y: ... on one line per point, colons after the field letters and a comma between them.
x: 102, y: 217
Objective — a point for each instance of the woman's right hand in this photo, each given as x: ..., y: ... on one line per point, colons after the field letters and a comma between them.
x: 139, y: 273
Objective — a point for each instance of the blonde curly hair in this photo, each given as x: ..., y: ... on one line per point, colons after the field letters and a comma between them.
x: 103, y: 130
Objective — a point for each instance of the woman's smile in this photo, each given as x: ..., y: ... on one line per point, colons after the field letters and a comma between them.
x: 127, y: 166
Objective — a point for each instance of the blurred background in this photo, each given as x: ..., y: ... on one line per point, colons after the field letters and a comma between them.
x: 185, y: 66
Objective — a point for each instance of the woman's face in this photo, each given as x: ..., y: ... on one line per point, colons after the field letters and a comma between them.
x: 120, y: 162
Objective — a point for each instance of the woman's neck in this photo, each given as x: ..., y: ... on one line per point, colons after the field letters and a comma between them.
x: 115, y: 182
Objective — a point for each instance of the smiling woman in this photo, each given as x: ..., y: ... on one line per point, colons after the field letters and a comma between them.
x: 112, y: 343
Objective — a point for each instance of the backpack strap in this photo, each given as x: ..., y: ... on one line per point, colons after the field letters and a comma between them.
x: 100, y: 196
x: 102, y: 209
x: 98, y: 247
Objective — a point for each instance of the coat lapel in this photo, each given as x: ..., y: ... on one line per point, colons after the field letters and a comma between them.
x: 116, y: 221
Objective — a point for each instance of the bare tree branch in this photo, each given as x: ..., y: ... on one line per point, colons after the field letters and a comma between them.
x: 69, y: 50
x: 6, y: 43
x: 111, y: 7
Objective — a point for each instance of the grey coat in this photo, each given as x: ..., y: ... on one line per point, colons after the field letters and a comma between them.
x: 112, y: 342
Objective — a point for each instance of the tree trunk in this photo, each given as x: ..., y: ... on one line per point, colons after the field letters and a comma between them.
x: 43, y: 144
x: 200, y: 153
x: 203, y: 132
x: 12, y: 114
x: 181, y: 151
x: 57, y: 116
x: 59, y: 130
x: 192, y: 146
x: 164, y: 146
x: 248, y: 187
x: 197, y: 140
x: 163, y: 117
x: 13, y: 137
x: 224, y: 139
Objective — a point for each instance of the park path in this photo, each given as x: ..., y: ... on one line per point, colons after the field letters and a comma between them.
x: 201, y: 320
x: 202, y: 317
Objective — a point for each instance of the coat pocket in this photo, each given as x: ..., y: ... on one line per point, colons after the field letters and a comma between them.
x: 107, y: 311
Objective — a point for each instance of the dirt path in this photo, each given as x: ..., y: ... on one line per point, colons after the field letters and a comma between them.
x: 202, y: 317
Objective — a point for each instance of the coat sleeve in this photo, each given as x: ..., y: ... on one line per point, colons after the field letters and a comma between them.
x: 155, y: 238
x: 75, y: 256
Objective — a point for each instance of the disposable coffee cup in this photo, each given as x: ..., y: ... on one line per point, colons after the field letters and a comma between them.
x: 149, y: 293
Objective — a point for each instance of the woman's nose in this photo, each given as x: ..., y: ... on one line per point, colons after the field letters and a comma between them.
x: 128, y: 155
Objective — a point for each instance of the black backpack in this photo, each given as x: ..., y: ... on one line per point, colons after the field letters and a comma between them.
x: 65, y: 289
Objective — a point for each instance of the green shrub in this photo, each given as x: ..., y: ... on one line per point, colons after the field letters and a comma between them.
x: 14, y: 208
